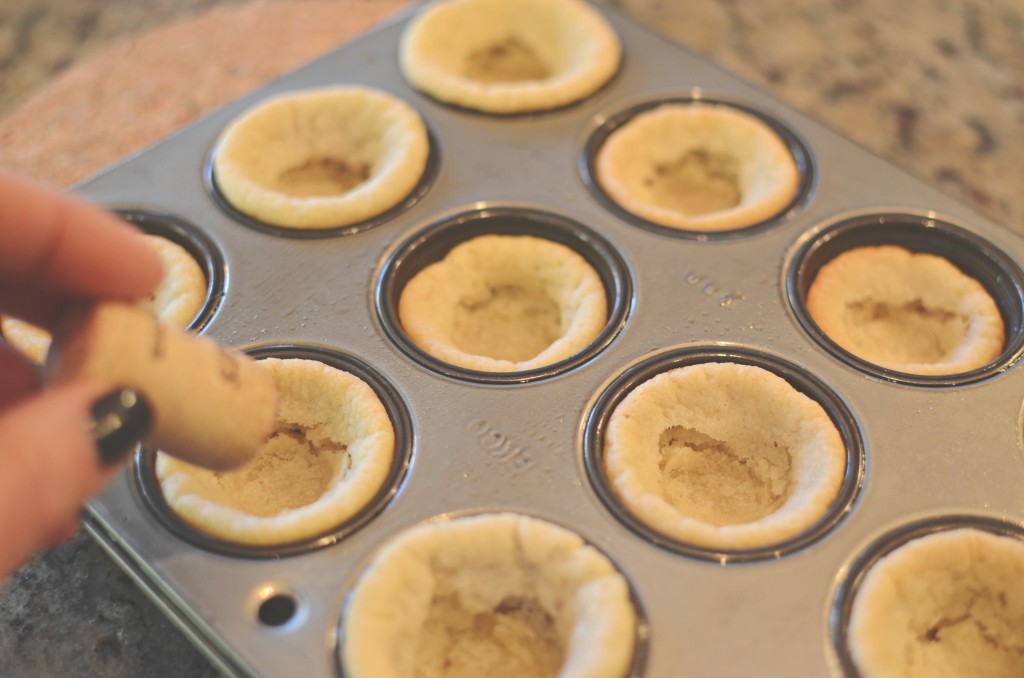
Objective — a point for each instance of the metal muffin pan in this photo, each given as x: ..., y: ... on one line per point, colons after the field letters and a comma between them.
x: 475, y: 445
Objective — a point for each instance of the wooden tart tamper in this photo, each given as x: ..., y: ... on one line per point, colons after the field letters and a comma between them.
x: 211, y: 407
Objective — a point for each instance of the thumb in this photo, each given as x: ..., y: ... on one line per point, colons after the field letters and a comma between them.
x: 58, y: 448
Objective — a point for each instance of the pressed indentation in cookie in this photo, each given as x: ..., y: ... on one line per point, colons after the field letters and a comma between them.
x: 322, y: 177
x: 518, y: 637
x: 709, y: 480
x: 942, y: 605
x: 507, y: 60
x: 698, y: 182
x: 293, y: 469
x: 967, y: 611
x: 911, y: 332
x: 507, y: 322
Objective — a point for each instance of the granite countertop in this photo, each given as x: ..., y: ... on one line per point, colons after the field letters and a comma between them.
x: 935, y: 87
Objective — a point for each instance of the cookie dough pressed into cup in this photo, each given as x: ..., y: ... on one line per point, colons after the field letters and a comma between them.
x: 698, y: 167
x: 945, y: 605
x: 910, y: 312
x: 723, y: 456
x: 497, y: 595
x: 501, y: 303
x: 509, y: 56
x: 330, y: 454
x: 182, y: 293
x: 176, y: 301
x: 322, y: 158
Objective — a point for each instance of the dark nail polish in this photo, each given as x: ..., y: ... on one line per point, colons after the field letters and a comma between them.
x: 119, y: 420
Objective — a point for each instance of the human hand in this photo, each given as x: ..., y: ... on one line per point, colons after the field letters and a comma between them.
x: 58, y: 447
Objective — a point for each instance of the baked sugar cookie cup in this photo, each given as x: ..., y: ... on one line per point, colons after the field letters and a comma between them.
x: 699, y: 166
x: 321, y: 159
x: 913, y: 298
x: 492, y: 594
x: 938, y: 598
x: 723, y: 453
x: 907, y: 311
x: 503, y: 294
x: 509, y: 56
x: 337, y: 455
x: 504, y: 303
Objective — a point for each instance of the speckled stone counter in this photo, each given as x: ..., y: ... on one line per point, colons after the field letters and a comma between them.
x: 935, y: 87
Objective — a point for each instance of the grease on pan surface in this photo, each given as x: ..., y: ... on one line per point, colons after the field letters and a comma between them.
x: 498, y: 595
x: 504, y: 304
x: 910, y: 312
x: 944, y: 605
x: 329, y: 456
x: 321, y: 158
x: 509, y: 56
x: 723, y: 456
x: 698, y: 167
x: 176, y: 301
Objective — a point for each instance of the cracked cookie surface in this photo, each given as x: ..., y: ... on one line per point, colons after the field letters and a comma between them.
x: 906, y: 311
x: 698, y: 167
x: 499, y: 595
x: 329, y: 455
x: 943, y: 605
x: 499, y: 303
x: 723, y: 455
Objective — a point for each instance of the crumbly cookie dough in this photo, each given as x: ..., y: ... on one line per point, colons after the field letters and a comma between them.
x: 504, y: 304
x: 509, y: 56
x: 329, y: 455
x: 698, y: 167
x: 176, y: 301
x: 945, y: 605
x: 500, y: 595
x: 910, y: 312
x: 723, y: 455
x: 321, y: 158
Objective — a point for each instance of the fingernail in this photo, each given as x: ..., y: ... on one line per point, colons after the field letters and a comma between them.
x: 119, y: 420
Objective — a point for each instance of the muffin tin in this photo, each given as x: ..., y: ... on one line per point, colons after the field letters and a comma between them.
x: 934, y: 450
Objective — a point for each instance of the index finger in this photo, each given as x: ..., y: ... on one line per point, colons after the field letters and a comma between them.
x: 60, y: 242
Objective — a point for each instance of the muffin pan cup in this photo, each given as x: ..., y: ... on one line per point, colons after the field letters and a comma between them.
x: 435, y: 241
x: 998, y: 273
x: 149, y: 487
x: 620, y: 387
x: 419, y: 190
x: 641, y: 630
x: 799, y: 151
x: 859, y: 567
x: 519, y: 446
